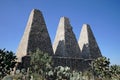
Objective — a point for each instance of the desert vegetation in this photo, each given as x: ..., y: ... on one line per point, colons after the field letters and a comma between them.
x: 41, y: 68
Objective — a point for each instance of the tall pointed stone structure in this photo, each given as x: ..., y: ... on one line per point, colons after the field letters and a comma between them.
x: 88, y: 44
x: 67, y: 51
x: 65, y: 43
x: 35, y: 36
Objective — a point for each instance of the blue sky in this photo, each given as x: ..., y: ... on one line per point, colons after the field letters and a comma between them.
x: 102, y: 15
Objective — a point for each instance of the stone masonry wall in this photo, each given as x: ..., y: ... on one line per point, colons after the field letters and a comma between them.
x: 78, y: 64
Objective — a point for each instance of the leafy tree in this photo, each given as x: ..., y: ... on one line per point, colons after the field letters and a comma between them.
x: 40, y: 63
x: 7, y: 62
x: 100, y: 67
x: 115, y: 71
